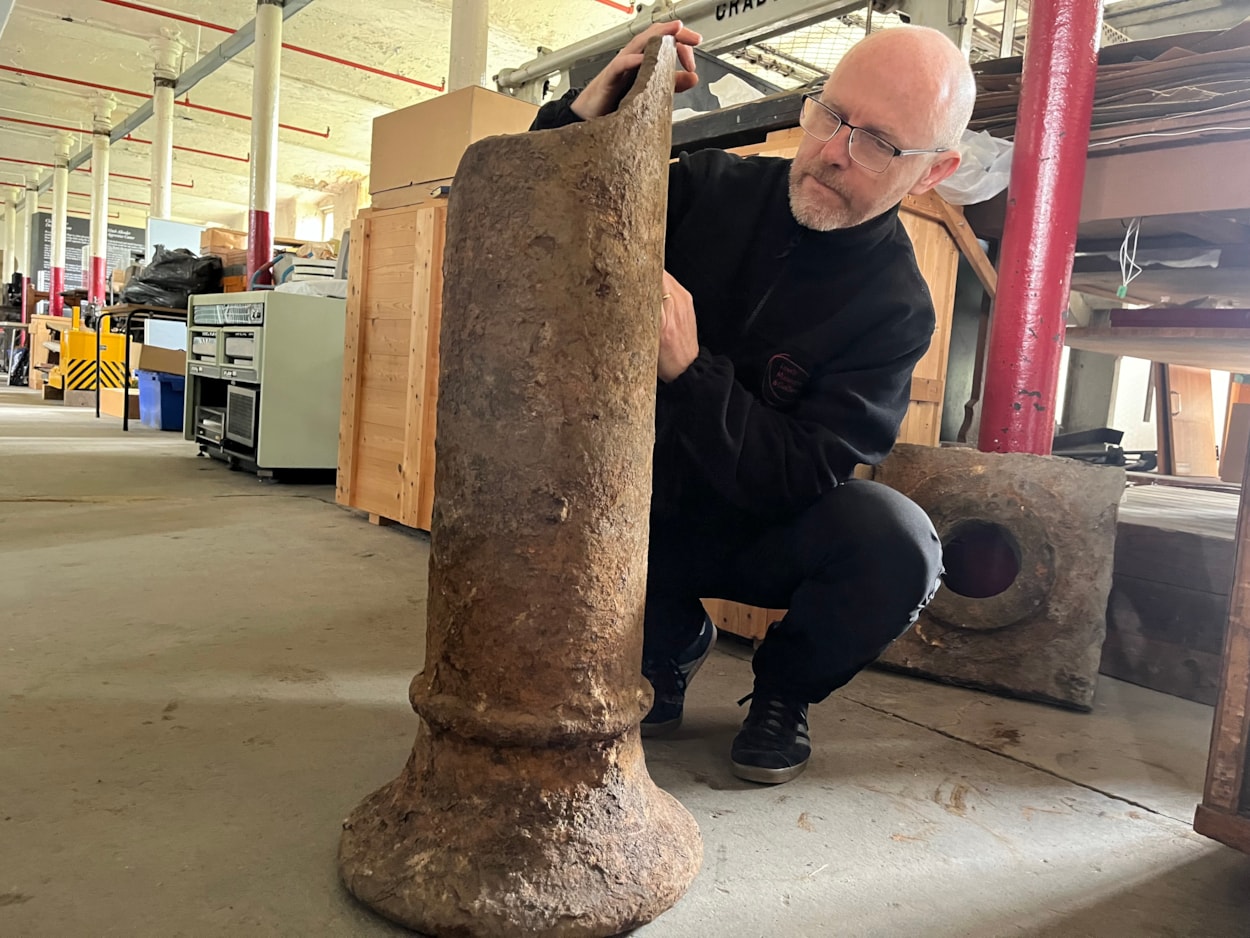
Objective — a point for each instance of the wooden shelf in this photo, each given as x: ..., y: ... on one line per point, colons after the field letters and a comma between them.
x: 1221, y: 349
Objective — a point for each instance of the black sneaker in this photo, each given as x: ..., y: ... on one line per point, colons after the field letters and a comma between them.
x: 669, y: 680
x: 773, y: 745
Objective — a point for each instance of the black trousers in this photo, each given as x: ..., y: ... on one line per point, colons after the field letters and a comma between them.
x: 854, y: 571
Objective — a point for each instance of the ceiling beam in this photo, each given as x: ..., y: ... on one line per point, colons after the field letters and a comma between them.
x: 6, y: 8
x: 1148, y: 19
x: 240, y: 40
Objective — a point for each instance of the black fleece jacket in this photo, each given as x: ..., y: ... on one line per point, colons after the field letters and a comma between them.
x: 807, y: 342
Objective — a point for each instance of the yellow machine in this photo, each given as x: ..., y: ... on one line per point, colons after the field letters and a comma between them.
x: 77, y: 368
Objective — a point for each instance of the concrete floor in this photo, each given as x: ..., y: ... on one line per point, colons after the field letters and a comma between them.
x: 201, y: 674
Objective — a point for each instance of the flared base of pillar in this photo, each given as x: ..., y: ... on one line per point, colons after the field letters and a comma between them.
x: 480, y: 841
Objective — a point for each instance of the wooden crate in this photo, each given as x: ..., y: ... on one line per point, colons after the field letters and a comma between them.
x: 1224, y: 814
x: 390, y: 364
x: 1168, y: 610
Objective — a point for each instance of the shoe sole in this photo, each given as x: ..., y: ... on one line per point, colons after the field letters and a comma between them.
x: 652, y: 730
x: 755, y: 773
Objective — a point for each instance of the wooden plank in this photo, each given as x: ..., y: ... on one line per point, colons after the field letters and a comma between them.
x: 1166, y: 181
x: 418, y: 343
x: 1175, y: 558
x: 1226, y: 766
x: 739, y: 619
x: 380, y: 521
x: 376, y: 494
x: 349, y: 411
x: 918, y: 205
x: 425, y: 501
x: 922, y: 425
x: 927, y: 389
x: 1220, y: 349
x: 387, y: 337
x: 1165, y: 612
x: 386, y: 408
x: 1228, y: 829
x: 380, y: 441
x: 385, y: 372
x: 1170, y: 669
x: 968, y: 244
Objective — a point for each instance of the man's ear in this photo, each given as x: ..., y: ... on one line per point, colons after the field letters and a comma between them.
x: 939, y: 171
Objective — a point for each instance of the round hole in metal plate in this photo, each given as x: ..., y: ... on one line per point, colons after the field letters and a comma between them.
x: 982, y: 559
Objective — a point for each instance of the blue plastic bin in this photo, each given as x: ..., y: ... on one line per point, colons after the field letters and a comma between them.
x: 160, y: 400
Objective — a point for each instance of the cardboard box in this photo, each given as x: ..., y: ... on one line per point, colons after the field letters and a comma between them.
x: 113, y: 399
x: 1236, y: 441
x: 425, y: 142
x: 222, y: 240
x: 154, y: 358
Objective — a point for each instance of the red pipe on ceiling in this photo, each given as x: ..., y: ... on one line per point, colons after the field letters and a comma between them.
x: 83, y: 169
x: 215, y: 110
x: 1039, y: 231
x: 112, y: 198
x: 75, y: 212
x: 140, y: 94
x: 182, y: 18
x: 72, y: 81
x: 220, y: 156
x: 130, y: 137
x: 617, y: 6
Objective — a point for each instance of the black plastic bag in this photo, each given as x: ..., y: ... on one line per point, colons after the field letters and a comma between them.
x: 172, y: 276
x: 19, y: 367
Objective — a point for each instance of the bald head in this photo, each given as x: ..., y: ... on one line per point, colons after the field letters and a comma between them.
x: 906, y: 95
x: 922, y: 76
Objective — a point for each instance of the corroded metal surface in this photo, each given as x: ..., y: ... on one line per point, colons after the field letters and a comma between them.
x: 526, y: 807
x: 1042, y: 636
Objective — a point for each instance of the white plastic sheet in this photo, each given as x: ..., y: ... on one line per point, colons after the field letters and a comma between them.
x: 984, y: 172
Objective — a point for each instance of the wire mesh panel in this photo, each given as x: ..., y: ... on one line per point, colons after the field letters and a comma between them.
x: 807, y: 55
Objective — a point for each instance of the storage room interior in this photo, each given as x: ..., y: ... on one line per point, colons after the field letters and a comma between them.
x: 265, y: 266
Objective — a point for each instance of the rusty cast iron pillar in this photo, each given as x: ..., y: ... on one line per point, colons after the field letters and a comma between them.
x: 525, y: 807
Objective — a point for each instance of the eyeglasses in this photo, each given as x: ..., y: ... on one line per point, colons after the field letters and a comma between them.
x: 866, y: 149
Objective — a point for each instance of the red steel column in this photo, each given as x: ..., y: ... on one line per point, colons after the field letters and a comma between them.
x: 60, y: 206
x: 97, y: 268
x: 166, y: 52
x: 266, y: 69
x: 1039, y: 235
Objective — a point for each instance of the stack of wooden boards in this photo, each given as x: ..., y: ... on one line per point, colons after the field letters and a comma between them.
x: 1168, y: 609
x: 1147, y: 93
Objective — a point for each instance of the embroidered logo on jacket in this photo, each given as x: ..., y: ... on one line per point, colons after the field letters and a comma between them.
x: 784, y: 380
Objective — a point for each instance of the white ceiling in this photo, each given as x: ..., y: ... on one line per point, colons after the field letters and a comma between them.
x: 95, y: 41
x: 98, y: 41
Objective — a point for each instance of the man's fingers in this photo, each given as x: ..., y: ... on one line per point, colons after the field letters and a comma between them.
x: 684, y: 81
x: 639, y: 42
x: 625, y: 64
x: 685, y: 55
x: 675, y: 28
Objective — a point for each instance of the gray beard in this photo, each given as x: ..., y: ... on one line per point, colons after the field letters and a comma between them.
x: 814, y: 216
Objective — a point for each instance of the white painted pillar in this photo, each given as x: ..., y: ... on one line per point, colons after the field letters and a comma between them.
x: 30, y: 208
x: 470, y: 27
x: 60, y: 205
x: 10, y: 240
x: 263, y: 182
x: 166, y: 52
x: 95, y: 270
